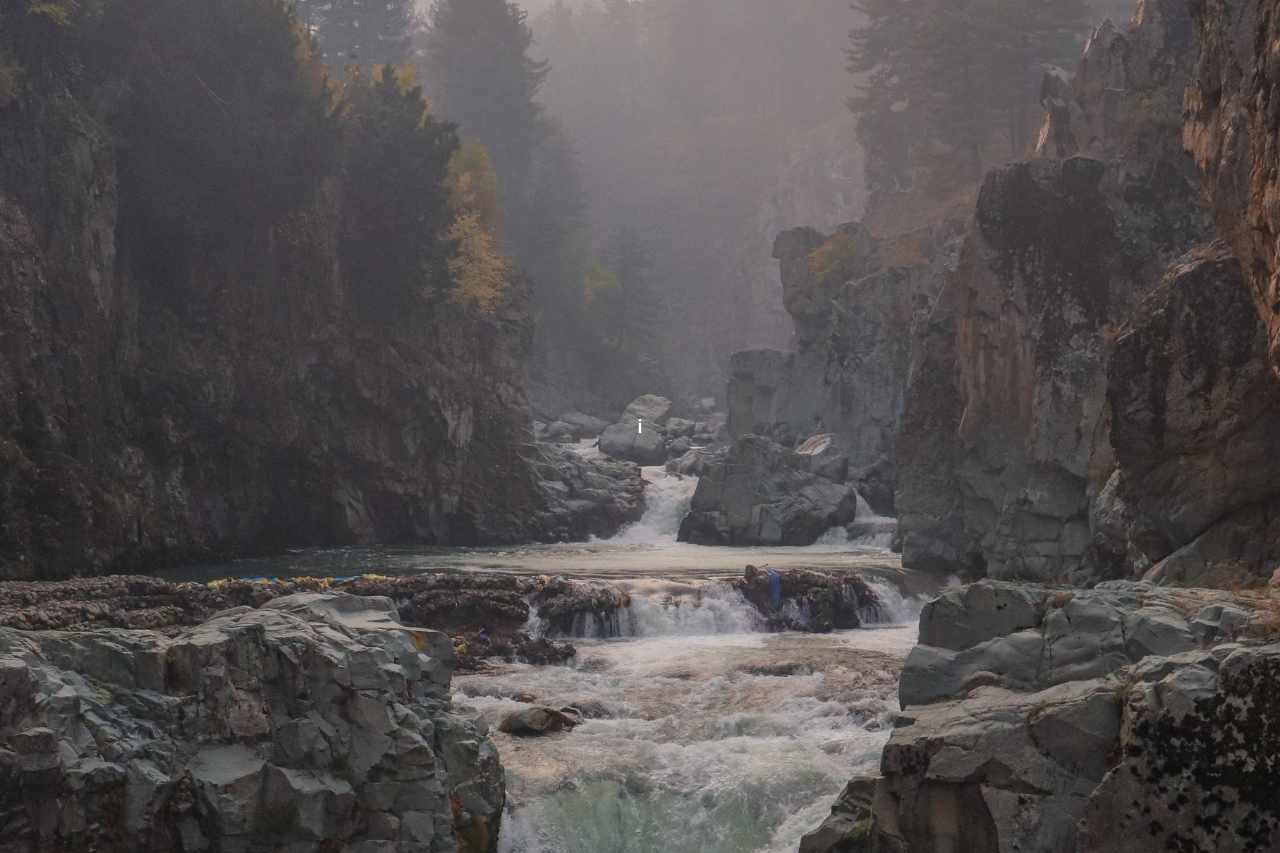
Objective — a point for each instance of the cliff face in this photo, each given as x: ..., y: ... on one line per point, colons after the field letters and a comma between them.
x: 854, y: 300
x: 163, y: 402
x: 1005, y: 441
x: 1070, y: 384
x: 1232, y: 120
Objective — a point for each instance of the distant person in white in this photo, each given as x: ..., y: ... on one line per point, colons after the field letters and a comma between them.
x: 639, y: 426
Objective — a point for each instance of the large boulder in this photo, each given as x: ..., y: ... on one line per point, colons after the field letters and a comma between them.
x: 764, y: 494
x: 535, y: 721
x: 812, y: 601
x: 651, y: 408
x: 318, y: 722
x: 634, y: 442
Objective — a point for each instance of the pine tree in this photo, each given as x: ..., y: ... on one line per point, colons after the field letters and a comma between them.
x: 946, y: 86
x: 396, y: 207
x: 360, y: 32
x: 643, y: 312
x: 478, y: 71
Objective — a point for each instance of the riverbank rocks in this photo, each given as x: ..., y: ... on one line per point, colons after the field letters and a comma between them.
x: 1127, y: 717
x: 317, y: 722
x: 765, y: 494
x: 583, y: 496
x: 803, y: 600
x: 464, y: 604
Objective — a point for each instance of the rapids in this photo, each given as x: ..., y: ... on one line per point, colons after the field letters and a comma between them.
x: 707, y: 737
x: 703, y: 733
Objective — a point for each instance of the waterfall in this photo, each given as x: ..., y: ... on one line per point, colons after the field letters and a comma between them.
x: 666, y: 503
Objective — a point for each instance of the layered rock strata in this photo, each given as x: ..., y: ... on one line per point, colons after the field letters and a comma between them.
x: 316, y: 722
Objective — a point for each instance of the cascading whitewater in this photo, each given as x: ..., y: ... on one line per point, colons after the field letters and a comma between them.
x: 667, y: 498
x: 662, y: 609
x: 725, y: 743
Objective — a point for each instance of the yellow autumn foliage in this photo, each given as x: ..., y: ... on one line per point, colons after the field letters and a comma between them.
x: 473, y: 185
x: 478, y: 267
x: 831, y: 257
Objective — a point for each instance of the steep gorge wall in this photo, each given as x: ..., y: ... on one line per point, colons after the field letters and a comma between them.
x: 163, y: 402
x: 1065, y: 382
x: 1036, y: 421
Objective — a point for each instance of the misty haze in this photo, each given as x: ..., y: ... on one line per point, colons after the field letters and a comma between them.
x: 639, y: 426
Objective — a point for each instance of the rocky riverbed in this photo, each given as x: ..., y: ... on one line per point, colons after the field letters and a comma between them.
x: 304, y: 713
x: 1127, y: 717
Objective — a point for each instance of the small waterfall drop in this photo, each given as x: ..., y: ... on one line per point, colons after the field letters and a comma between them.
x: 666, y: 502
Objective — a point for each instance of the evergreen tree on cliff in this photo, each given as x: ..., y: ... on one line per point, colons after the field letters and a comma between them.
x: 944, y: 87
x: 479, y: 74
x: 360, y: 32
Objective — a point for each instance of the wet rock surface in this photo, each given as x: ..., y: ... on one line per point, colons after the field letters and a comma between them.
x: 536, y: 721
x: 314, y: 721
x: 808, y: 601
x: 1048, y: 719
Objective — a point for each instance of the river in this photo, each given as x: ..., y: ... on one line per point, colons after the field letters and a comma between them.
x: 704, y: 733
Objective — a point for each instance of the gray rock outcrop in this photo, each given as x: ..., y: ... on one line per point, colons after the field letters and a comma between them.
x: 765, y: 494
x: 642, y: 436
x: 317, y: 722
x: 1039, y: 719
x: 1195, y: 416
x: 584, y: 497
x: 855, y: 300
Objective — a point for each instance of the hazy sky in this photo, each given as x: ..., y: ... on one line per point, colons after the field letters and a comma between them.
x: 533, y: 7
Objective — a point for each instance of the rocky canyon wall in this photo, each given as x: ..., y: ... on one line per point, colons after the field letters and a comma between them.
x: 1005, y: 440
x: 1064, y: 381
x: 166, y: 400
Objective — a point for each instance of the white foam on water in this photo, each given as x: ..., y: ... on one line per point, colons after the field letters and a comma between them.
x: 666, y: 503
x: 894, y: 608
x: 728, y: 743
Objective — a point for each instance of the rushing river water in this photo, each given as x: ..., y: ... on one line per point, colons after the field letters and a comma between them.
x: 704, y: 733
x: 709, y: 736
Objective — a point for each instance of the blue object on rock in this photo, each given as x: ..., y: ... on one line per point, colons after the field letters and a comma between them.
x: 775, y: 588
